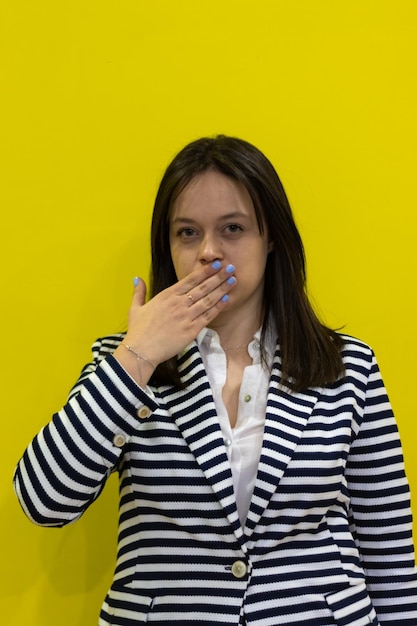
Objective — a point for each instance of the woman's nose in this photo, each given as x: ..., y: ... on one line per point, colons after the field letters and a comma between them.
x: 210, y: 249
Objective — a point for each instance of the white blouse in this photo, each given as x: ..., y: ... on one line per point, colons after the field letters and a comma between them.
x: 244, y: 441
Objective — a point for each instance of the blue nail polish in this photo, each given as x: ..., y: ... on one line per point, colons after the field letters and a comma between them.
x: 216, y: 265
x: 230, y: 268
x: 136, y: 281
x: 231, y: 280
x: 225, y: 298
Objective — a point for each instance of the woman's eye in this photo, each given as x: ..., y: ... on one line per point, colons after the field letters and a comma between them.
x: 233, y: 228
x: 186, y: 233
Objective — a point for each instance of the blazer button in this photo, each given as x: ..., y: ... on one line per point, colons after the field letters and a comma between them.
x: 143, y: 412
x: 239, y: 569
x: 119, y: 440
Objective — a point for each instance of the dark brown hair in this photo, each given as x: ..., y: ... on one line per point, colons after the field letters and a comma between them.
x: 310, y: 352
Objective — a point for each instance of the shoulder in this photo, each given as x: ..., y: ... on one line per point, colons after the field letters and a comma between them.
x: 358, y: 359
x: 352, y: 347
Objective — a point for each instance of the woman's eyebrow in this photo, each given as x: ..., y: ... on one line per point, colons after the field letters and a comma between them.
x: 227, y: 216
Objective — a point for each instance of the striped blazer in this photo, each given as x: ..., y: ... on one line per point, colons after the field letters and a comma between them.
x: 327, y: 541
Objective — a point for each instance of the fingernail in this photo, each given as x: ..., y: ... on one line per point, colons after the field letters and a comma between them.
x: 216, y: 265
x: 230, y: 268
x: 231, y: 280
x: 225, y: 298
x: 136, y: 281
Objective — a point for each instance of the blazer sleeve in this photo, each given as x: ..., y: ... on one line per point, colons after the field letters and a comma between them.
x: 380, y: 508
x: 66, y: 466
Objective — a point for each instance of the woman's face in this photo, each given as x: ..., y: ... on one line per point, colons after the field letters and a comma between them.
x: 214, y: 218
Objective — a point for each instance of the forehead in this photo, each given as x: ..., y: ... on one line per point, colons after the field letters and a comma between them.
x: 215, y: 193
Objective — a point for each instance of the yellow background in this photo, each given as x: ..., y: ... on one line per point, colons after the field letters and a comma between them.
x: 96, y: 98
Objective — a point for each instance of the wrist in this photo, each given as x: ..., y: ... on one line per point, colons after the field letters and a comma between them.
x: 139, y: 367
x: 139, y: 357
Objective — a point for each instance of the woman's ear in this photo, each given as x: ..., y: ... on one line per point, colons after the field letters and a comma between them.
x: 270, y: 246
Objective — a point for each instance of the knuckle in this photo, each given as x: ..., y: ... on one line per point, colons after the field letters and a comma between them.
x: 190, y: 283
x: 207, y: 315
x: 201, y: 289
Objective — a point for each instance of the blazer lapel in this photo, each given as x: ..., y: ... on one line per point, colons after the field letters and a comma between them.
x: 286, y: 418
x: 194, y: 412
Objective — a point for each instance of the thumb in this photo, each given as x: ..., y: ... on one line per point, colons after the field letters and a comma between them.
x: 139, y: 294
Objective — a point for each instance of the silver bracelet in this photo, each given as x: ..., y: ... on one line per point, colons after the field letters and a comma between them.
x: 137, y: 355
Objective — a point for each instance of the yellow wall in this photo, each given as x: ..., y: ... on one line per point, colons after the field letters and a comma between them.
x: 96, y: 97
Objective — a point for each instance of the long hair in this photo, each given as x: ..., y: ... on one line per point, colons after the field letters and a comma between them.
x: 310, y: 352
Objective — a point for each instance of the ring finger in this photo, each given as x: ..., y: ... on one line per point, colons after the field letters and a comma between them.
x: 207, y: 285
x: 208, y: 298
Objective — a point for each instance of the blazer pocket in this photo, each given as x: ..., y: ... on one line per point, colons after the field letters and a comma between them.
x: 352, y: 605
x: 124, y: 605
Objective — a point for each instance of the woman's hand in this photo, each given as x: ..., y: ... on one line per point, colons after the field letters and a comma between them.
x: 162, y: 327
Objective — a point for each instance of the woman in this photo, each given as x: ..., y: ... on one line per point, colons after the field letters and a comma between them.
x: 261, y: 473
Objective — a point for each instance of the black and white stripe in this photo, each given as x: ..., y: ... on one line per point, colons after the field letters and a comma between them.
x: 327, y: 541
